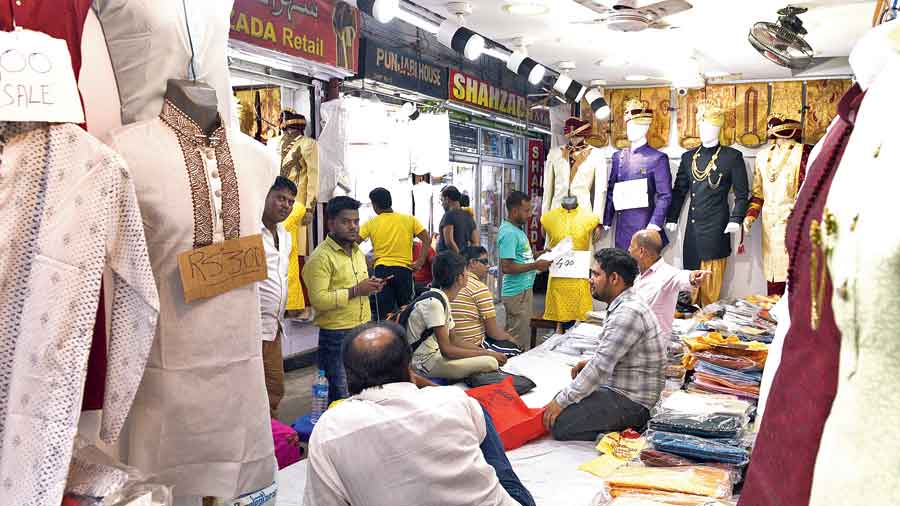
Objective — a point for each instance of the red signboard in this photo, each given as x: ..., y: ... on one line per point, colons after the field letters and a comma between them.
x: 323, y: 31
x: 536, y: 192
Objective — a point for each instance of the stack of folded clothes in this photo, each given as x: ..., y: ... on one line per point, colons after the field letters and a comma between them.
x: 727, y: 368
x: 645, y: 499
x: 660, y: 481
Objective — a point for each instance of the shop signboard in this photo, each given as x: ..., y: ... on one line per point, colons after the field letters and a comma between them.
x: 474, y: 92
x: 323, y: 31
x: 536, y: 192
x: 403, y: 69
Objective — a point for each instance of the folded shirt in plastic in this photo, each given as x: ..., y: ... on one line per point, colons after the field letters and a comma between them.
x: 698, y: 448
x: 707, y: 426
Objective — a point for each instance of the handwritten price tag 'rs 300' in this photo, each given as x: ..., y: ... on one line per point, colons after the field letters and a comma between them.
x: 218, y: 268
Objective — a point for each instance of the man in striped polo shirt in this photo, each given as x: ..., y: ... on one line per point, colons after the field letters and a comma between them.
x: 474, y: 312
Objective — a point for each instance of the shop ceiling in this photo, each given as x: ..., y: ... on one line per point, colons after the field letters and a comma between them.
x: 713, y: 32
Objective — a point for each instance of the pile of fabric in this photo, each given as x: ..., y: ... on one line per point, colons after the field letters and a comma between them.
x: 726, y: 365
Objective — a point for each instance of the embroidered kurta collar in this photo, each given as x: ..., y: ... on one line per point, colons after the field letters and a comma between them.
x: 191, y: 138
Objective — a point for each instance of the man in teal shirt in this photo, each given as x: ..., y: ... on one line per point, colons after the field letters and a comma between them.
x: 518, y: 266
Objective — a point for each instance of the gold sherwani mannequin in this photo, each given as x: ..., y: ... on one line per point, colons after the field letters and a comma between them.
x: 574, y: 169
x: 299, y: 157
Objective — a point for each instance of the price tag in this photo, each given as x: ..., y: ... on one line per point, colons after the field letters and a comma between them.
x: 264, y: 497
x: 574, y: 264
x: 36, y: 79
x: 221, y: 267
x: 630, y: 194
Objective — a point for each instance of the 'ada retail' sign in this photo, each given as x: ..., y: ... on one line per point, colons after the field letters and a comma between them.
x: 36, y: 79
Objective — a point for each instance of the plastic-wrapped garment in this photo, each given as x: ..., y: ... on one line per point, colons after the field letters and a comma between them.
x: 655, y: 458
x: 716, y: 384
x: 737, y: 363
x: 430, y: 145
x: 658, y: 499
x: 741, y: 377
x: 706, y: 426
x: 698, y: 448
x: 697, y: 480
x: 698, y: 404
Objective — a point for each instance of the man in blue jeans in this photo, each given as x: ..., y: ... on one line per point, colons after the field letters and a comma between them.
x: 393, y: 443
x: 339, y: 285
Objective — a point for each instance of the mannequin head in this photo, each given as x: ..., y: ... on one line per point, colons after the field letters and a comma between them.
x: 575, y: 130
x: 637, y: 121
x: 710, y: 119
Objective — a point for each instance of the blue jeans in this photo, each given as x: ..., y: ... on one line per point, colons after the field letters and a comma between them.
x: 330, y: 359
x: 495, y: 455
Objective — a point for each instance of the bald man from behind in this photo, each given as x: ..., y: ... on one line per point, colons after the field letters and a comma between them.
x: 658, y: 282
x: 394, y: 443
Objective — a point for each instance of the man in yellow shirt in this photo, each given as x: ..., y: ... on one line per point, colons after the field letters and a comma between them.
x: 392, y: 235
x: 339, y: 286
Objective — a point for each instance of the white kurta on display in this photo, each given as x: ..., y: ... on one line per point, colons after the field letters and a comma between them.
x: 559, y: 181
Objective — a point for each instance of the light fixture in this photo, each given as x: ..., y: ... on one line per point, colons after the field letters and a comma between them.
x: 636, y: 77
x: 598, y: 104
x: 409, y: 110
x: 497, y: 53
x: 573, y: 91
x: 461, y: 39
x: 526, y: 7
x: 417, y: 21
x: 526, y: 67
x: 382, y: 10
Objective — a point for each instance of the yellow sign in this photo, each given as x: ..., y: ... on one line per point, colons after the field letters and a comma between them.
x: 221, y: 267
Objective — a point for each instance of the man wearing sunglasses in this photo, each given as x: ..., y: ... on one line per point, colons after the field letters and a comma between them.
x: 474, y: 312
x: 616, y: 388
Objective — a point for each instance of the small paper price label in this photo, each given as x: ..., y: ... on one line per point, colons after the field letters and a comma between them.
x: 264, y: 497
x: 36, y: 79
x: 574, y: 264
x: 218, y: 268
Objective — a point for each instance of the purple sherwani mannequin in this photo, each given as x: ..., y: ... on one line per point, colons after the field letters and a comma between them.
x: 643, y: 163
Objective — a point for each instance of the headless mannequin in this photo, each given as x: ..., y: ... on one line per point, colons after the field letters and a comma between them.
x: 569, y: 203
x: 709, y: 137
x: 197, y: 100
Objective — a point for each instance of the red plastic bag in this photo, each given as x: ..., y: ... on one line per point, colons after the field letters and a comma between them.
x: 516, y: 423
x: 285, y: 452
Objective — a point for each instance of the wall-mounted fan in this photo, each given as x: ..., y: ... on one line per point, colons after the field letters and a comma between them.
x: 623, y: 16
x: 782, y: 42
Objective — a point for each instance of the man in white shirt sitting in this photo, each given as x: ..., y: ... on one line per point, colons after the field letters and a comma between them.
x: 658, y: 282
x: 392, y: 443
x: 273, y: 291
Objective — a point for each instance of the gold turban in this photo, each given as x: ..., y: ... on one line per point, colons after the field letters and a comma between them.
x: 711, y: 112
x: 635, y: 110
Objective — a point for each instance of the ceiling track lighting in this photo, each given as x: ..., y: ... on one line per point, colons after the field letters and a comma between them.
x: 526, y: 67
x: 382, y: 10
x: 572, y: 90
x: 461, y: 39
x: 598, y: 104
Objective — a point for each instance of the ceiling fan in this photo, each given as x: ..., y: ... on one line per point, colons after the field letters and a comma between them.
x: 782, y: 42
x: 624, y: 16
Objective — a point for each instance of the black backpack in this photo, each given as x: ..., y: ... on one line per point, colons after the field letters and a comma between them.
x: 401, y: 317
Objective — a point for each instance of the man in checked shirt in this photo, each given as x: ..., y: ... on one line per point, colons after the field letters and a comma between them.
x: 616, y: 388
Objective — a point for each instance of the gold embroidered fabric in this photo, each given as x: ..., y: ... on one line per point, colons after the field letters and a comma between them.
x: 822, y: 99
x: 751, y: 111
x: 787, y: 98
x: 617, y: 105
x: 247, y: 101
x: 658, y: 99
x: 599, y: 132
x: 688, y: 137
x: 723, y: 94
x: 192, y: 141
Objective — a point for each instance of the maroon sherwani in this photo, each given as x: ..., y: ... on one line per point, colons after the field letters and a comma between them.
x: 781, y: 467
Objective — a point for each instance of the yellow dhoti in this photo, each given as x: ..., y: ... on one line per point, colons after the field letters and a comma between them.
x: 710, y: 289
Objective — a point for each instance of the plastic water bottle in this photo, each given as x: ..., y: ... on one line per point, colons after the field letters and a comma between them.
x: 319, y: 396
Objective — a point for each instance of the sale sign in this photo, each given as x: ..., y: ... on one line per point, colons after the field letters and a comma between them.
x: 536, y: 192
x: 323, y: 31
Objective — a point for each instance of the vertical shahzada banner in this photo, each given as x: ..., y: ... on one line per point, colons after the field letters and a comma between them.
x: 536, y: 192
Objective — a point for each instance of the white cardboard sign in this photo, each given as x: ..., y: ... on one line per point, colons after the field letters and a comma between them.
x: 574, y: 264
x: 630, y: 194
x: 36, y: 79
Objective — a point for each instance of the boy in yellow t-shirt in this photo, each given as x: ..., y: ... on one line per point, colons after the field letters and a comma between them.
x: 392, y: 236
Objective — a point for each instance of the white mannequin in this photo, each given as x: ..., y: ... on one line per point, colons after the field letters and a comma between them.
x: 709, y: 137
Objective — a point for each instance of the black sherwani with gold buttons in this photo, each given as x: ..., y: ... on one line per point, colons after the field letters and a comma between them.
x: 705, y: 237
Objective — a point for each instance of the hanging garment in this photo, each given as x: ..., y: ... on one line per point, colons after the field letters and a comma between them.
x: 423, y: 194
x: 68, y: 210
x: 587, y: 170
x: 648, y: 164
x: 751, y: 104
x: 61, y: 19
x: 201, y: 419
x: 149, y: 44
x: 299, y: 156
x: 719, y: 171
x: 430, y: 144
x: 800, y: 398
x: 776, y: 181
x: 295, y: 299
x: 862, y: 251
x: 569, y: 298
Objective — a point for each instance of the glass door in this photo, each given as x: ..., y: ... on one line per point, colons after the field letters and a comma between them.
x: 498, y: 180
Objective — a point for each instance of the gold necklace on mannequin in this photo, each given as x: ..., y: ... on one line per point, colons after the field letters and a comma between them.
x: 711, y: 166
x: 774, y: 175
